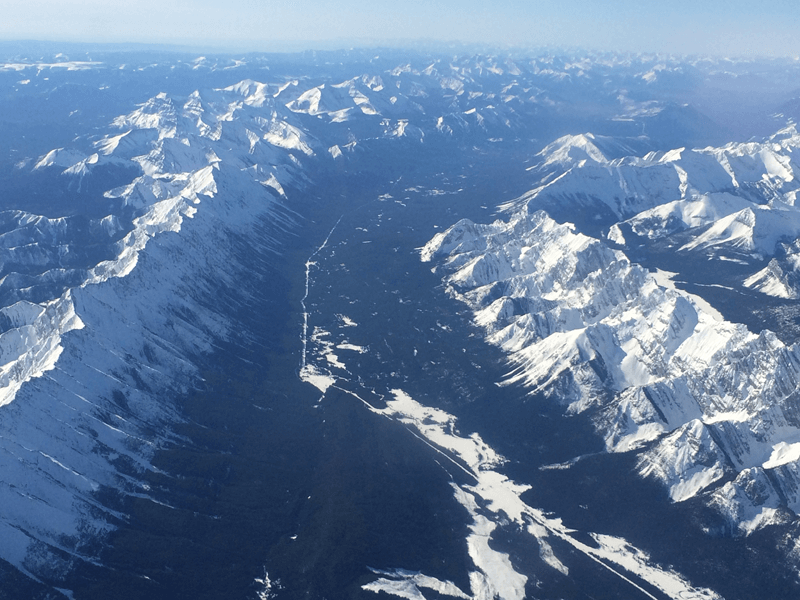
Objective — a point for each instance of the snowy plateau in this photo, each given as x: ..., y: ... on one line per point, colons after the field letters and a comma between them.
x: 415, y: 324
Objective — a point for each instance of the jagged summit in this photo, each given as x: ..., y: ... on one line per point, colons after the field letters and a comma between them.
x: 586, y: 148
x: 656, y: 367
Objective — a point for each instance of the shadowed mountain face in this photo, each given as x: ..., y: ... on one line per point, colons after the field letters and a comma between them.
x: 347, y: 324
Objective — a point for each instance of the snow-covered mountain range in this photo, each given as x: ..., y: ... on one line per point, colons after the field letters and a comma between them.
x: 658, y: 367
x: 88, y: 350
x: 153, y: 243
x: 713, y: 403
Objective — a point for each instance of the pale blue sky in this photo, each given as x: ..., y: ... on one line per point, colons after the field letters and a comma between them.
x: 731, y: 27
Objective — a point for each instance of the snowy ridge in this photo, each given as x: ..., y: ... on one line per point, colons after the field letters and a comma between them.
x: 583, y: 325
x: 772, y: 281
x: 171, y: 196
x: 32, y: 346
x: 85, y: 373
x: 41, y: 258
x: 743, y: 193
x: 781, y: 277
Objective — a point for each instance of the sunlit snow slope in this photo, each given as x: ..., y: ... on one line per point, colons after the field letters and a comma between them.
x: 713, y: 404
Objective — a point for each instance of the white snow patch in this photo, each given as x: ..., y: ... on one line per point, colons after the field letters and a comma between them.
x: 353, y: 347
x: 407, y: 584
x: 60, y: 157
x: 736, y: 416
x: 665, y: 280
x: 618, y: 551
x: 783, y: 453
x: 771, y: 281
x: 346, y: 321
x: 334, y: 361
x: 266, y: 587
x: 322, y: 381
x: 738, y: 261
x: 615, y: 235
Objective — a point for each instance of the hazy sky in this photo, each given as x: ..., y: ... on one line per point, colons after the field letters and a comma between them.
x: 730, y: 27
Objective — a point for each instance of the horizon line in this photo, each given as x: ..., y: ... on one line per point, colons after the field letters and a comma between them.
x: 350, y: 44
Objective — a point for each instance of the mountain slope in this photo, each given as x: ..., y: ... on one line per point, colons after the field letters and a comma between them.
x: 580, y: 323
